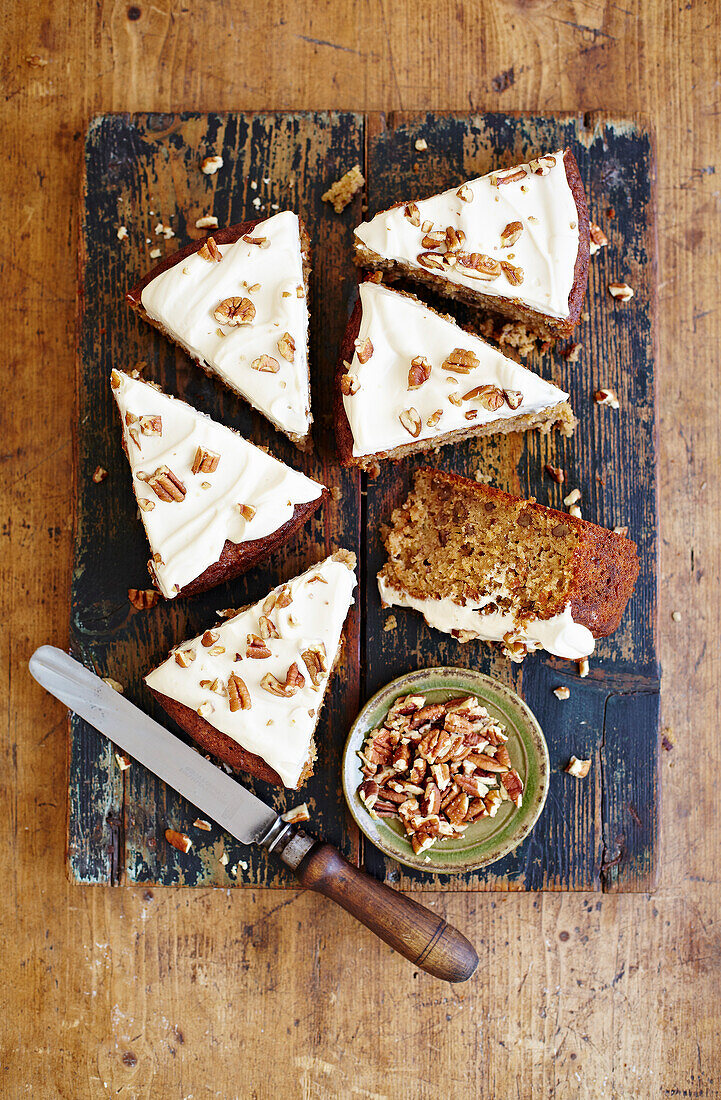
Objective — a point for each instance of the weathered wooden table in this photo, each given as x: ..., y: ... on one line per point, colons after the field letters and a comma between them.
x: 149, y: 992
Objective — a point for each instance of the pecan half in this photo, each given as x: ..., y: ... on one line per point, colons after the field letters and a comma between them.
x: 315, y: 660
x: 266, y: 363
x: 512, y: 782
x: 238, y: 694
x: 294, y: 681
x: 234, y: 312
x: 419, y: 372
x: 205, y: 462
x: 166, y: 486
x: 476, y: 265
x: 143, y: 598
x: 510, y: 233
x: 461, y: 361
x: 513, y: 274
x: 256, y: 648
x: 489, y: 396
x: 430, y: 260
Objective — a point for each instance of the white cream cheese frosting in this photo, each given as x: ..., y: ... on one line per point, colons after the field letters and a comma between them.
x: 277, y: 728
x: 400, y: 329
x: 187, y: 528
x: 545, y: 250
x: 184, y: 298
x: 559, y: 635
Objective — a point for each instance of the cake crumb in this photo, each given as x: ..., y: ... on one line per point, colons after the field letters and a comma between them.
x: 340, y: 193
x: 583, y: 667
x: 391, y: 623
x: 210, y: 165
x: 122, y: 233
x: 208, y: 221
x: 100, y: 474
x: 516, y: 335
x: 484, y: 479
x: 578, y: 768
x: 621, y: 529
x: 114, y: 684
x: 676, y: 616
x: 421, y: 145
x: 561, y: 692
x: 575, y: 511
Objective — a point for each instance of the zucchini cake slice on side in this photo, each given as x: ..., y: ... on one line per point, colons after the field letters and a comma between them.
x: 237, y: 302
x: 212, y: 504
x: 410, y: 379
x: 250, y: 690
x: 514, y: 242
x: 479, y: 563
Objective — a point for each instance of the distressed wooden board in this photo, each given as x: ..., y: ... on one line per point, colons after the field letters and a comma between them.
x: 149, y: 163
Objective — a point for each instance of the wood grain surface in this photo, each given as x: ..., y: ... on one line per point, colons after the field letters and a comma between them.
x: 141, y: 172
x: 163, y: 992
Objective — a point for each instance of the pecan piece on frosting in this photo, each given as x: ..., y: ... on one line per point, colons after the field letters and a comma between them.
x: 247, y: 511
x: 461, y: 361
x: 235, y: 311
x: 314, y: 658
x: 513, y: 274
x: 510, y: 233
x: 166, y: 486
x: 266, y: 363
x: 256, y: 648
x: 238, y: 694
x: 419, y: 372
x: 349, y: 385
x: 209, y: 251
x: 413, y: 214
x: 286, y: 347
x: 411, y: 421
x: 364, y: 349
x: 489, y: 396
x: 294, y: 681
x: 151, y: 425
x: 514, y: 398
x: 205, y: 462
x: 476, y: 265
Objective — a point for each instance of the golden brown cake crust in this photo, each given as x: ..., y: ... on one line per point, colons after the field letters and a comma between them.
x: 550, y: 328
x: 559, y: 414
x: 604, y: 567
x: 228, y: 235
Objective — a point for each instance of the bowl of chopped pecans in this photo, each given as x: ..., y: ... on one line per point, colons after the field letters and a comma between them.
x: 446, y: 770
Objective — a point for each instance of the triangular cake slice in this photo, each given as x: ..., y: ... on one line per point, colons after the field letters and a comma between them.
x: 212, y: 504
x: 479, y: 563
x: 514, y: 242
x: 250, y: 690
x: 410, y: 379
x: 237, y: 302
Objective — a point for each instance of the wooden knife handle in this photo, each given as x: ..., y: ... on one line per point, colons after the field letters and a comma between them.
x: 407, y: 927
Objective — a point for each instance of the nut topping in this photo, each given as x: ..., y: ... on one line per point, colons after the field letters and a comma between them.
x: 267, y: 627
x: 209, y: 638
x: 205, y: 462
x: 461, y: 361
x: 209, y: 251
x: 315, y: 661
x: 434, y: 418
x: 513, y: 274
x: 349, y: 385
x: 542, y: 165
x: 489, y: 396
x: 514, y: 398
x: 455, y: 239
x: 238, y: 694
x: 266, y: 363
x: 364, y: 349
x: 151, y: 425
x: 294, y: 681
x: 286, y: 347
x: 606, y: 397
x: 184, y: 657
x: 511, y: 233
x: 143, y: 598
x: 413, y: 214
x: 476, y: 265
x: 464, y: 192
x: 261, y: 242
x: 166, y: 486
x: 430, y: 260
x: 621, y: 291
x: 434, y: 238
x: 256, y: 648
x: 411, y: 421
x: 419, y: 372
x: 247, y: 511
x: 510, y: 177
x: 235, y: 312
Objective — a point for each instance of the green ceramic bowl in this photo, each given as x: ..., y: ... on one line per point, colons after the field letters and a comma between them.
x: 486, y: 840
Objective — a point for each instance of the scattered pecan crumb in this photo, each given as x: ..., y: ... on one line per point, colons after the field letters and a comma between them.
x: 572, y: 353
x: 114, y: 684
x: 335, y: 493
x: 555, y: 473
x: 622, y: 292
x: 100, y: 474
x: 155, y: 253
x: 606, y: 397
x: 143, y: 598
x: 421, y: 145
x: 676, y: 616
x: 35, y: 61
x: 210, y: 165
x: 621, y: 529
x: 562, y: 692
x: 391, y: 623
x: 201, y: 823
x: 296, y: 814
x: 122, y: 761
x: 573, y: 497
x: 208, y: 221
x: 598, y: 238
x: 577, y: 767
x: 583, y: 667
x: 178, y: 840
x: 340, y: 193
x: 122, y: 233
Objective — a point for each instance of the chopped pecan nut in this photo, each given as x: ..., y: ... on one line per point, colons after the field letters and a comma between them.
x: 598, y: 238
x: 143, y: 598
x: 294, y: 681
x: 210, y: 165
x: 513, y: 398
x: 513, y: 274
x: 209, y: 251
x: 577, y: 767
x: 151, y: 425
x: 315, y: 661
x: 434, y: 418
x: 411, y: 421
x: 510, y: 233
x: 364, y: 349
x: 235, y: 312
x: 166, y: 486
x: 511, y: 781
x: 461, y: 361
x: 238, y: 694
x: 510, y: 177
x: 431, y: 261
x: 621, y: 291
x: 184, y: 657
x: 542, y: 165
x: 297, y: 814
x: 205, y: 462
x: 606, y: 397
x: 286, y: 347
x: 349, y: 385
x: 555, y: 473
x: 256, y: 648
x: 178, y: 840
x: 476, y: 265
x: 209, y: 638
x: 247, y: 511
x: 267, y: 627
x: 419, y: 372
x: 100, y: 474
x: 412, y: 212
x: 266, y: 363
x: 465, y: 193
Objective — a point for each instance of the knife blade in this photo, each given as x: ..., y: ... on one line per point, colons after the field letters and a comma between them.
x: 410, y: 928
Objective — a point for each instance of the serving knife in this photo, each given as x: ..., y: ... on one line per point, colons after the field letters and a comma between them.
x: 409, y: 928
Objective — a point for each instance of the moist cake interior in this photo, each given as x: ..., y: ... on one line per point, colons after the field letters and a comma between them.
x: 449, y: 541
